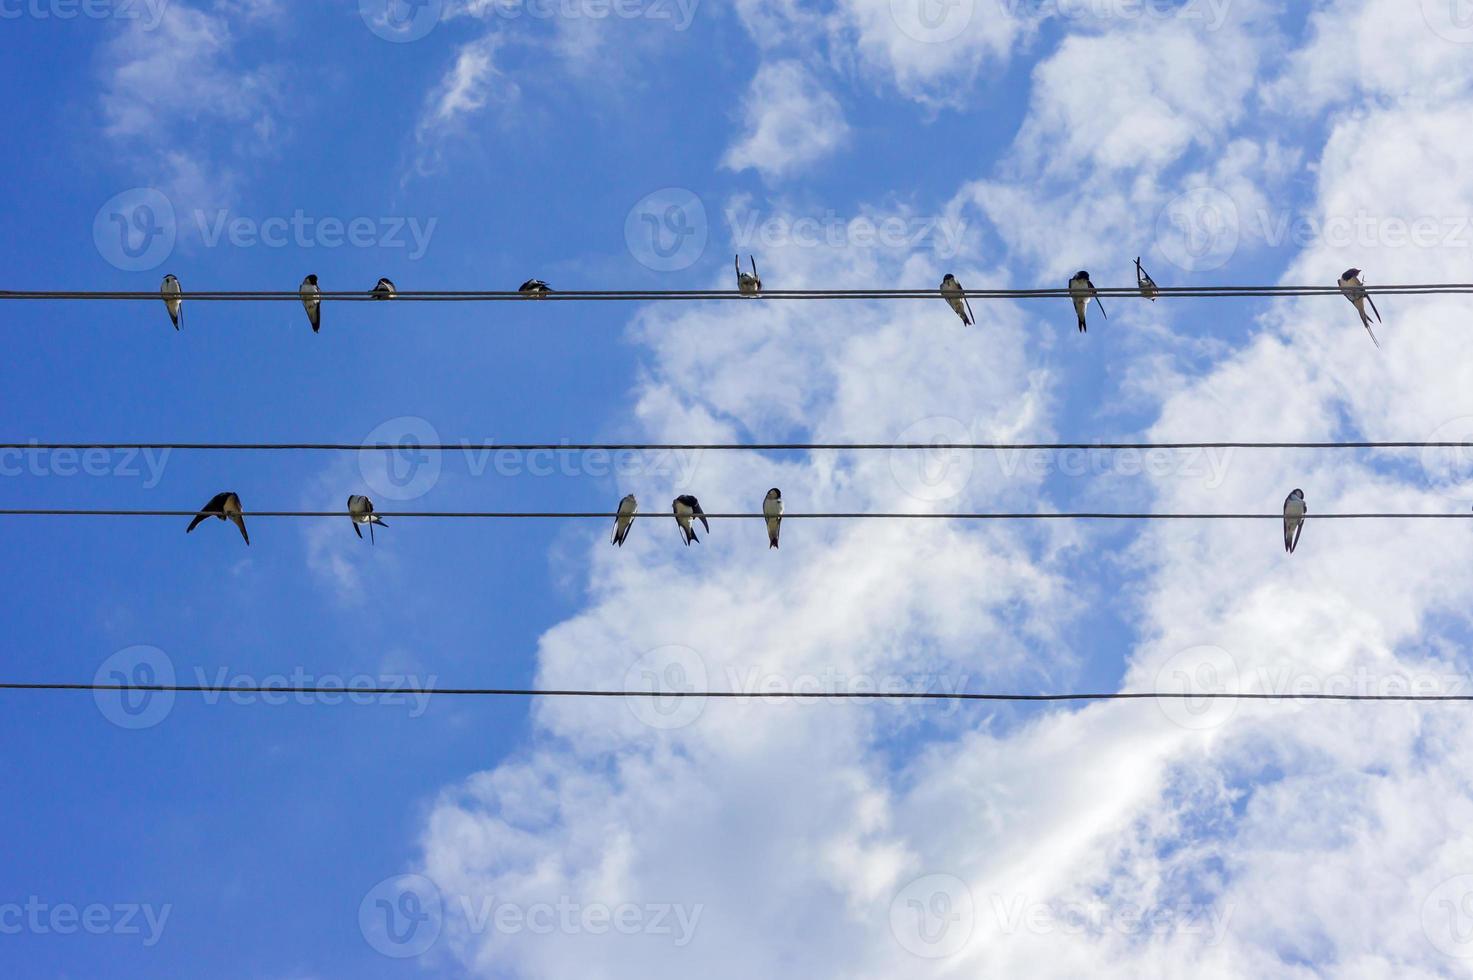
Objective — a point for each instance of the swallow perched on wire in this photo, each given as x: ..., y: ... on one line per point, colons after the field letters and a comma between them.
x: 1294, y: 511
x: 173, y: 301
x: 1355, y: 291
x: 687, y: 507
x: 311, y: 301
x: 956, y: 298
x: 747, y: 285
x: 772, y: 513
x: 1081, y: 290
x: 1147, y: 285
x: 384, y: 289
x: 624, y: 519
x: 224, y: 506
x: 534, y: 289
x: 360, y: 510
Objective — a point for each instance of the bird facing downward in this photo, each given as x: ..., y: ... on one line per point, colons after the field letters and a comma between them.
x: 1081, y: 291
x: 384, y: 289
x: 747, y: 285
x: 173, y: 302
x: 1354, y: 289
x: 311, y: 301
x: 956, y: 298
x: 772, y: 513
x: 360, y: 511
x: 223, y: 506
x: 685, y: 508
x: 624, y: 519
x: 534, y: 289
x: 1294, y: 511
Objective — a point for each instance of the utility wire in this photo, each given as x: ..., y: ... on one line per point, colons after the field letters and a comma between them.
x: 712, y: 446
x: 857, y: 515
x: 653, y: 295
x: 507, y: 692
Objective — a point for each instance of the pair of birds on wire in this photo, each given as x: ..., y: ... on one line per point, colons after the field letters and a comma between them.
x: 225, y: 506
x: 687, y: 510
x: 1081, y: 291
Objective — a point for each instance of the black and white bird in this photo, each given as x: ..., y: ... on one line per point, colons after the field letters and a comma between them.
x: 772, y: 513
x: 956, y: 298
x: 224, y: 506
x: 1081, y: 291
x: 1294, y: 511
x: 1147, y: 285
x: 384, y: 289
x: 624, y: 519
x: 1355, y: 291
x: 360, y: 510
x: 173, y: 301
x: 747, y: 285
x: 534, y: 289
x: 311, y: 301
x: 687, y: 507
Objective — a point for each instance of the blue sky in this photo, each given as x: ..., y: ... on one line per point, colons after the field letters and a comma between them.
x: 1010, y: 143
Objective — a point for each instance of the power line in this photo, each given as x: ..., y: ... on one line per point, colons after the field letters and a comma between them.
x: 468, y: 446
x: 855, y: 515
x: 656, y: 295
x: 507, y: 692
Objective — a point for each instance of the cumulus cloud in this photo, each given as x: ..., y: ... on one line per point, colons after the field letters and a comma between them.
x: 790, y: 121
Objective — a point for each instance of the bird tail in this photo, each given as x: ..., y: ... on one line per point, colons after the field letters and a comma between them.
x: 1372, y: 333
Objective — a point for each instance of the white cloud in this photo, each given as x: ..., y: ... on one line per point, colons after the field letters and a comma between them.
x: 790, y: 121
x: 471, y: 83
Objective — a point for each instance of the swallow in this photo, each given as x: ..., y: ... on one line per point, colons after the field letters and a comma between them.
x: 747, y: 285
x: 173, y: 301
x: 225, y: 506
x: 360, y: 510
x: 956, y: 297
x: 624, y: 520
x: 772, y: 512
x: 534, y: 289
x: 1355, y: 291
x: 311, y: 301
x: 1147, y: 285
x: 384, y: 290
x: 685, y: 508
x: 1081, y: 290
x: 1294, y: 511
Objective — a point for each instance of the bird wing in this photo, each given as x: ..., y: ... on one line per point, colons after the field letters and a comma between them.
x: 700, y: 515
x: 1373, y: 309
x: 215, y: 508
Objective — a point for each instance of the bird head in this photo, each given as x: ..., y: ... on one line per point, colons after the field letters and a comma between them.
x: 774, y: 494
x: 312, y: 279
